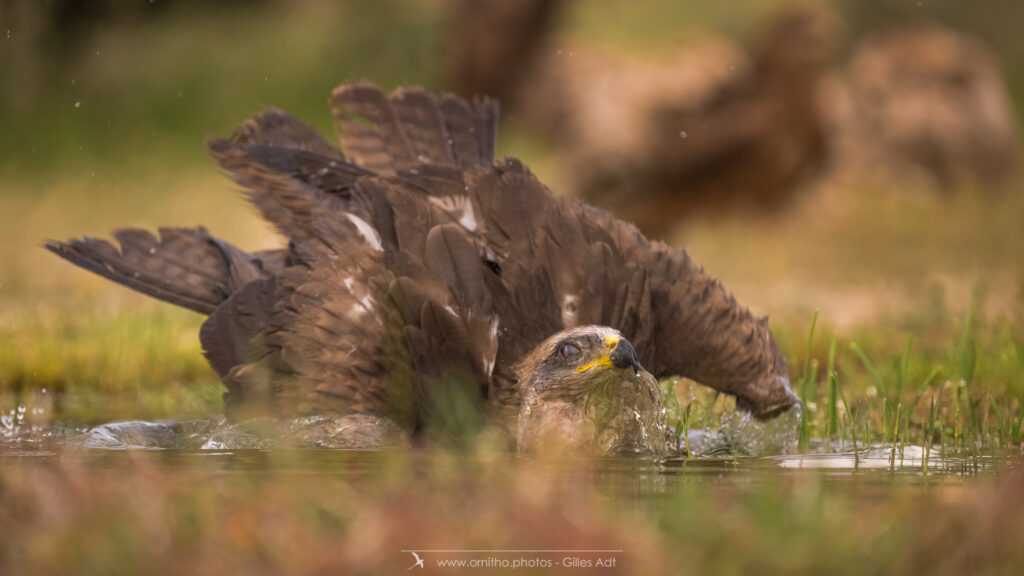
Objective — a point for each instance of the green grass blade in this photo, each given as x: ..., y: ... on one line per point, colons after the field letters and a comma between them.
x: 806, y: 387
x: 834, y: 379
x: 968, y: 356
x: 904, y: 367
x: 833, y: 416
x: 870, y: 368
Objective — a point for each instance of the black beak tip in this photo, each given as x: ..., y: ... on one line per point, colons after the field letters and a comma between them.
x: 624, y: 356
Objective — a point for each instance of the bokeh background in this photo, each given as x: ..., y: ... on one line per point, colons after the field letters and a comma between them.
x: 858, y: 158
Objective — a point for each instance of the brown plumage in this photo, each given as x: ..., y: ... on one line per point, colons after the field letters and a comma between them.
x: 419, y: 273
x: 584, y: 388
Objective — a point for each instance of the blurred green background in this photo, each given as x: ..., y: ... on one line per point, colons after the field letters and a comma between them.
x: 120, y: 85
x: 104, y: 107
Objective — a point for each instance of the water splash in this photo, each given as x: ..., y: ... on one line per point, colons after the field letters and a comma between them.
x: 132, y: 435
x: 741, y: 434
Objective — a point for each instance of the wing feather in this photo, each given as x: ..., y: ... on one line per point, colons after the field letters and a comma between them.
x: 184, y: 266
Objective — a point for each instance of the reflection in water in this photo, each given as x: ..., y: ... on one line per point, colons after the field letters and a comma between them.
x: 880, y: 456
x: 741, y: 444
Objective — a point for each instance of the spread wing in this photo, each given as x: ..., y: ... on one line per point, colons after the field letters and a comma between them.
x: 569, y: 264
x: 386, y: 305
x: 556, y: 262
x: 417, y: 272
x: 184, y: 266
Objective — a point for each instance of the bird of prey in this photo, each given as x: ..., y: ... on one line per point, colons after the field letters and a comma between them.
x: 429, y: 286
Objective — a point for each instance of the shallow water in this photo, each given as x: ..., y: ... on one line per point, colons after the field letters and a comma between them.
x: 740, y: 446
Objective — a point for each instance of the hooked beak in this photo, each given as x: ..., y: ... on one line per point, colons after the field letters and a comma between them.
x: 624, y: 355
x: 621, y: 354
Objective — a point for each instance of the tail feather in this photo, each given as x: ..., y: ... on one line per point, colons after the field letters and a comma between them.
x: 411, y: 128
x: 420, y: 119
x: 473, y: 131
x: 184, y: 266
x: 369, y: 130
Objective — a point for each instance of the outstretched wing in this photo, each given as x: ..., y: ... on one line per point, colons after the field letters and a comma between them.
x: 417, y: 269
x: 183, y: 266
x: 557, y: 263
x: 568, y: 264
x: 700, y: 331
x: 387, y: 304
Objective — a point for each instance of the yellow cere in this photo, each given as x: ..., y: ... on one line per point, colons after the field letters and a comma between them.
x: 612, y: 340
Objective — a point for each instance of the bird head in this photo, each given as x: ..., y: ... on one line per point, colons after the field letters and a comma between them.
x: 584, y: 390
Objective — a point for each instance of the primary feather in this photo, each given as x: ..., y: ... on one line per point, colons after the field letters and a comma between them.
x: 417, y: 267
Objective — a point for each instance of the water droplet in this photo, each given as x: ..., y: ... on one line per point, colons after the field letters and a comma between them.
x: 451, y: 141
x: 683, y: 134
x: 78, y: 104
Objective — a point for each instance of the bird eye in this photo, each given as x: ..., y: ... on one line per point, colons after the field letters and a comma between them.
x: 569, y: 351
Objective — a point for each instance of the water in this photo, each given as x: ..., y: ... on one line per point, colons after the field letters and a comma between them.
x: 740, y: 444
x: 206, y: 496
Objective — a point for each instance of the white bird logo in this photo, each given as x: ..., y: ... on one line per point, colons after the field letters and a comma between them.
x: 419, y: 562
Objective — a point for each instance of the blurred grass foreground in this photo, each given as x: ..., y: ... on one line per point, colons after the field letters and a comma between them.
x: 916, y: 284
